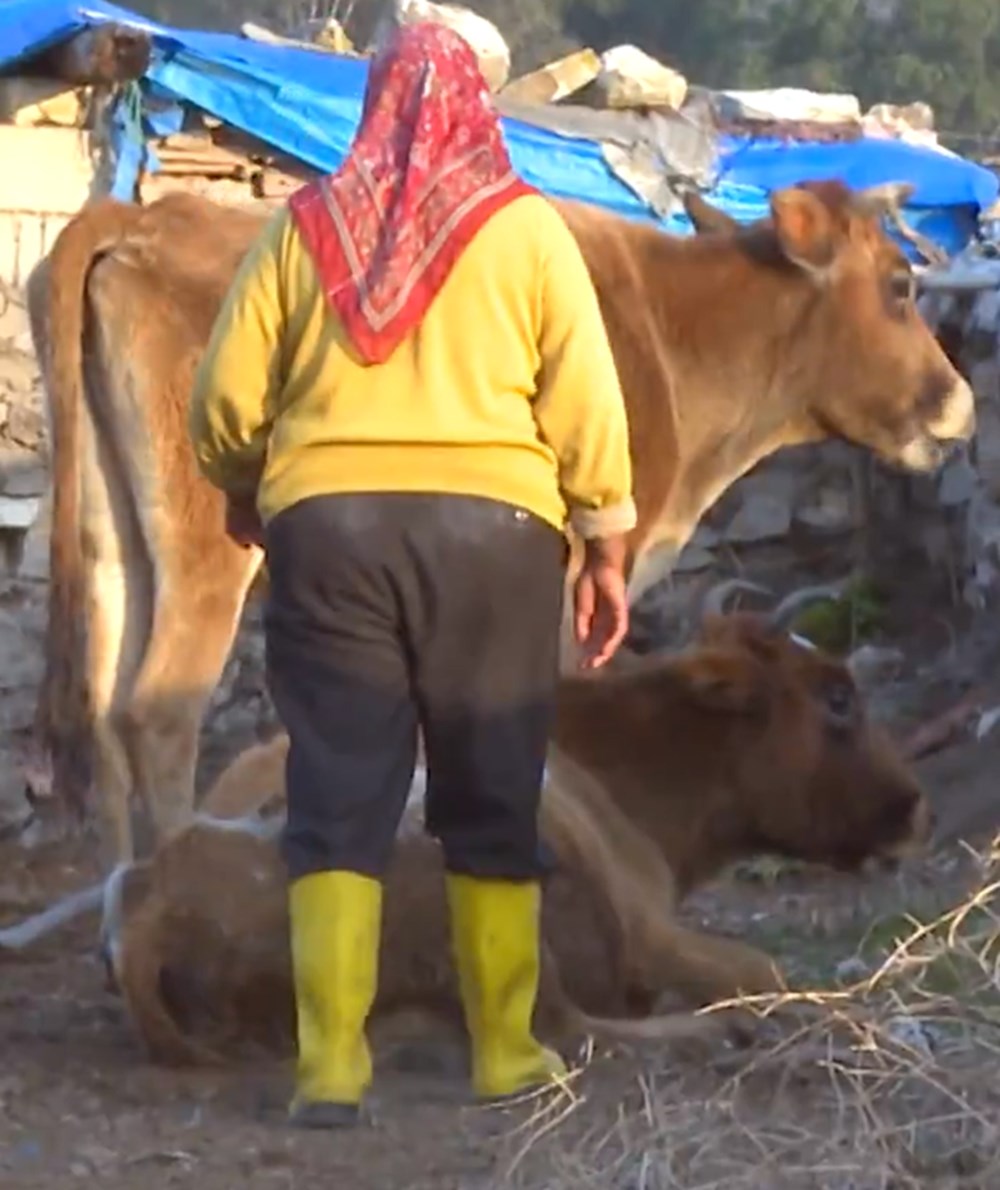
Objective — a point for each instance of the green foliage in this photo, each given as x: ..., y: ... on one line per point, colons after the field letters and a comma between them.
x: 838, y: 625
x: 946, y: 52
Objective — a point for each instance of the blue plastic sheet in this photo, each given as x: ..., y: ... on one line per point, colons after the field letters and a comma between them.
x: 307, y: 103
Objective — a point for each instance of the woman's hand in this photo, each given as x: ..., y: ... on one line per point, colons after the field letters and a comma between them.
x: 600, y: 602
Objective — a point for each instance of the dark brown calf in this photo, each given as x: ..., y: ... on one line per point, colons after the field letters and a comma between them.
x: 663, y: 773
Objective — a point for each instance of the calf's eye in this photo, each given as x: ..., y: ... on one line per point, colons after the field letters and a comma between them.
x: 840, y: 701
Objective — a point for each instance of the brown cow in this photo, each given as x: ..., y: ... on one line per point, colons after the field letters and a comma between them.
x: 729, y: 346
x: 749, y: 742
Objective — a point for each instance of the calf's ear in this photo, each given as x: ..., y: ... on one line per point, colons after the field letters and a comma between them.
x: 805, y: 226
x: 724, y: 681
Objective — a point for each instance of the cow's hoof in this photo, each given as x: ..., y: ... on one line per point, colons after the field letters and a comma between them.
x: 324, y: 1117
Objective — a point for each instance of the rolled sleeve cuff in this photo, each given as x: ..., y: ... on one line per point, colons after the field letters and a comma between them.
x: 611, y: 521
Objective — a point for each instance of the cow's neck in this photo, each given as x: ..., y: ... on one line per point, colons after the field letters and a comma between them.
x: 727, y: 322
x: 676, y: 790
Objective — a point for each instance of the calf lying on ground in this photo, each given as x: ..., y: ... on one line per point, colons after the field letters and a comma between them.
x: 660, y: 774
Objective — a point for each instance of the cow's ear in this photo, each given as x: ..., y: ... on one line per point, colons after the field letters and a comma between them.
x: 726, y: 681
x: 706, y: 218
x: 805, y: 227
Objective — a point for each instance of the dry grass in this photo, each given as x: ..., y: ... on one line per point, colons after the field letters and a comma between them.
x: 890, y: 1084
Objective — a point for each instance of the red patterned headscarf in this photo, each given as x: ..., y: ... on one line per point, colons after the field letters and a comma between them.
x: 427, y: 168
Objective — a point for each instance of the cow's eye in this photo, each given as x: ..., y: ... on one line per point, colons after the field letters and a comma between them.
x: 903, y: 286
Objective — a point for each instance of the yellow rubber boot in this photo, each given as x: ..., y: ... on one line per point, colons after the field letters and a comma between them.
x: 496, y: 935
x: 336, y: 921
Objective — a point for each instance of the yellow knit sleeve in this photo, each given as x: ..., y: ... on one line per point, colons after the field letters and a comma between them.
x: 239, y: 378
x: 579, y: 408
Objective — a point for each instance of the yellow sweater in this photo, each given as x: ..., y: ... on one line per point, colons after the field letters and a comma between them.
x: 507, y: 389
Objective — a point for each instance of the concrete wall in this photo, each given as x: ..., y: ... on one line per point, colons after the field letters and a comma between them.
x: 48, y: 174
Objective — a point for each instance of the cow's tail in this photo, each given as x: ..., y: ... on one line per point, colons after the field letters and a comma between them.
x: 57, y: 310
x: 705, y: 1027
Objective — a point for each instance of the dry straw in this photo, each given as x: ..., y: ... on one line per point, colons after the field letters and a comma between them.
x: 890, y: 1084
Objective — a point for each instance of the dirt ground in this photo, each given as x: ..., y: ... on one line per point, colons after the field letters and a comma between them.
x: 79, y: 1102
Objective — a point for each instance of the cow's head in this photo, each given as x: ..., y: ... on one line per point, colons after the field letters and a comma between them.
x: 859, y: 359
x: 810, y: 775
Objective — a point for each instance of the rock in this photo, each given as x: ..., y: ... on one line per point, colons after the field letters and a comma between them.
x: 851, y: 970
x: 986, y: 314
x: 240, y: 718
x: 20, y: 673
x: 555, y: 80
x: 925, y: 498
x: 693, y: 558
x: 26, y: 425
x: 18, y: 512
x: 33, y: 564
x: 958, y: 483
x: 912, y: 1033
x: 870, y: 664
x: 831, y: 512
x: 15, y: 809
x: 18, y: 370
x: 788, y: 103
x: 631, y: 78
x: 705, y: 537
x: 913, y: 123
x: 22, y: 473
x: 13, y: 317
x: 482, y: 35
x: 984, y: 376
x: 761, y: 517
x: 698, y: 554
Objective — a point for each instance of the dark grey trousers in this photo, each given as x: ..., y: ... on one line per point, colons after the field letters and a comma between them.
x: 391, y: 611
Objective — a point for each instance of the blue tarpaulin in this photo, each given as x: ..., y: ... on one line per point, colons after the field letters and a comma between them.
x: 307, y: 103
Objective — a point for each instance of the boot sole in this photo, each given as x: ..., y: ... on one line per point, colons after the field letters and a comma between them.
x: 325, y: 1117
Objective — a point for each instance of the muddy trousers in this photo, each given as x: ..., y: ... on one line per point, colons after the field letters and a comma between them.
x: 392, y: 612
x: 389, y: 614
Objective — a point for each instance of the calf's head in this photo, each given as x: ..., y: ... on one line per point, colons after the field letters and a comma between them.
x: 809, y: 775
x: 855, y: 356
